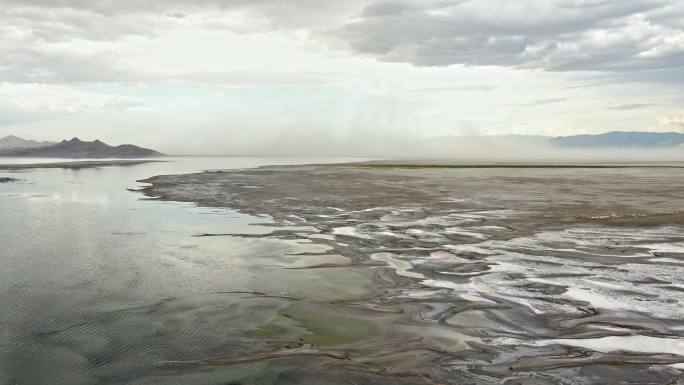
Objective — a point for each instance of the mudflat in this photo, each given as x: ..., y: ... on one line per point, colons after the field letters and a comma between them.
x: 478, y: 275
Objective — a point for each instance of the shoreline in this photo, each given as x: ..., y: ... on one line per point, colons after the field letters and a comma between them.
x: 478, y: 262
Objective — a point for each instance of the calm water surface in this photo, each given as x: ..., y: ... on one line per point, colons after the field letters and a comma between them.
x: 99, y: 286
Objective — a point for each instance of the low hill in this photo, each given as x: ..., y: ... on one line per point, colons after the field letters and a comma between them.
x: 12, y: 142
x: 620, y: 139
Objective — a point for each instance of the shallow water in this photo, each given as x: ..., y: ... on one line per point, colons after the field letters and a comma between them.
x: 98, y: 285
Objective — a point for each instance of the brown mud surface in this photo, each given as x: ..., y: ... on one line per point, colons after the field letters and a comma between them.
x: 556, y: 275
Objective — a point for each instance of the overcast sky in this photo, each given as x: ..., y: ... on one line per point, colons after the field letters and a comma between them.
x: 239, y: 76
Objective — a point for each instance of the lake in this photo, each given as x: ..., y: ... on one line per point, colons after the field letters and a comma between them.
x: 84, y: 262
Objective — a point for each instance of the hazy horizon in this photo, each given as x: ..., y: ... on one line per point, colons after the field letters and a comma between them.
x: 459, y: 148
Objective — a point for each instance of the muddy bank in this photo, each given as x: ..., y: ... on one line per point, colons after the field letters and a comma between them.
x: 479, y: 275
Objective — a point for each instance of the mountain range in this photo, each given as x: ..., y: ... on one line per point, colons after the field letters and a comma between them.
x: 74, y: 148
x: 620, y: 139
x: 608, y: 140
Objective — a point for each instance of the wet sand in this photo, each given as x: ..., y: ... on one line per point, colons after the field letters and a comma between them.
x: 451, y: 275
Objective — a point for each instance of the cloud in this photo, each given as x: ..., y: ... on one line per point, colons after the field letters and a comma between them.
x: 247, y: 79
x: 37, y: 23
x: 76, y: 41
x: 555, y: 35
x: 630, y: 107
x: 67, y: 41
x: 541, y: 102
x: 48, y: 64
x: 43, y: 99
x: 675, y: 122
x: 462, y: 88
x: 103, y: 19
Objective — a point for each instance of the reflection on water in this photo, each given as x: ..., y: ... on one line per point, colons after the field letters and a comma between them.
x: 99, y: 286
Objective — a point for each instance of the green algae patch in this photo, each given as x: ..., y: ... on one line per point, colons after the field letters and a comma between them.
x: 329, y: 326
x: 278, y: 328
x: 270, y: 330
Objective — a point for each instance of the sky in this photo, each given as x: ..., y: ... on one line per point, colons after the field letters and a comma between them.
x: 283, y: 77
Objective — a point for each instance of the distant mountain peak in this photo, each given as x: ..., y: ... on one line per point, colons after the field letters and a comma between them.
x: 12, y: 142
x: 77, y: 148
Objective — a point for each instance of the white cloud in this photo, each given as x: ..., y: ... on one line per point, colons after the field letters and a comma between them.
x: 676, y: 121
x: 40, y: 98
